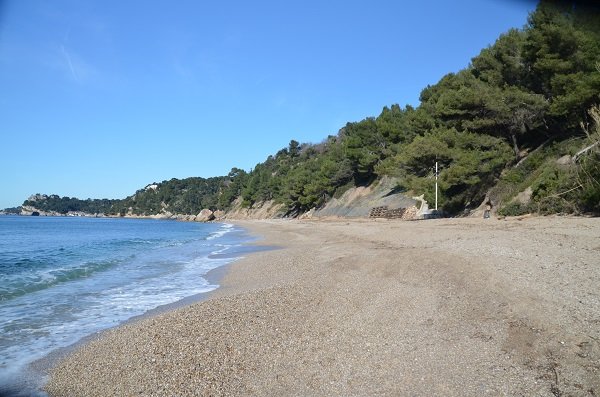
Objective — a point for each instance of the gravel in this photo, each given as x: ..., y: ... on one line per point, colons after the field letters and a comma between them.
x: 454, y: 307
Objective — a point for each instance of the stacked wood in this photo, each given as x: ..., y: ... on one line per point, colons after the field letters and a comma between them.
x: 397, y: 213
x: 378, y: 212
x: 385, y: 212
x: 410, y: 213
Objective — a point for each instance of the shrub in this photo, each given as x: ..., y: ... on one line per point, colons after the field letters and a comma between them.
x: 514, y: 209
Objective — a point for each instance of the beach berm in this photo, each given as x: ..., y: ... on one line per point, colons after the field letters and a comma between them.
x: 452, y: 307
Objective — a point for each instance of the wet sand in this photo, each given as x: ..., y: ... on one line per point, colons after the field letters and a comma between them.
x: 465, y: 307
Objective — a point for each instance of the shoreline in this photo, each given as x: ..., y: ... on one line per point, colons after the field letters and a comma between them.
x: 453, y: 307
x: 43, y: 365
x: 40, y: 367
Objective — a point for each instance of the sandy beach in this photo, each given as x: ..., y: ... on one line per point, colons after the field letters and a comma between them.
x: 449, y: 307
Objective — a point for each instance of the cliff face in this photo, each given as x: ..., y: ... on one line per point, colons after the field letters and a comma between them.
x: 29, y: 210
x: 358, y: 201
x: 265, y: 210
x: 355, y: 202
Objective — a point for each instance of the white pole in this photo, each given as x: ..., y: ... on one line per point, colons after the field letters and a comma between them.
x: 436, y: 176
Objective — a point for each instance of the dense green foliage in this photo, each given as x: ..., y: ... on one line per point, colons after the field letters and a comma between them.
x: 301, y: 177
x: 531, y: 89
x: 12, y: 211
x: 177, y: 196
x: 557, y: 187
x: 469, y: 164
x: 496, y: 128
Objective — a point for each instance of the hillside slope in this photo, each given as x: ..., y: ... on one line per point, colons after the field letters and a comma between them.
x: 517, y: 128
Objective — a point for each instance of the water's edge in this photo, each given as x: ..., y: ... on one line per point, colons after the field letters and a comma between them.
x: 37, y: 372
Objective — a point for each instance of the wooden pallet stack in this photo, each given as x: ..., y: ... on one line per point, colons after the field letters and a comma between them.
x: 385, y: 212
x: 397, y: 213
x: 378, y: 212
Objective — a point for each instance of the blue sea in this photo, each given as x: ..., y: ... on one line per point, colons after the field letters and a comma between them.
x: 62, y: 278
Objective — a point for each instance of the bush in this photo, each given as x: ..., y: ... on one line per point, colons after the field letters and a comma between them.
x: 514, y: 209
x: 555, y: 205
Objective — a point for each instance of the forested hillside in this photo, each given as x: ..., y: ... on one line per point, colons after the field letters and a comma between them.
x: 177, y: 196
x: 63, y: 205
x: 508, y: 128
x: 503, y: 121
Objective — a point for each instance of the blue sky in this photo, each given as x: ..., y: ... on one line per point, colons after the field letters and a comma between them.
x: 100, y: 98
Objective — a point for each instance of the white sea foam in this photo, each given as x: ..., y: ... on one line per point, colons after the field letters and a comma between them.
x: 225, y: 228
x: 103, y: 284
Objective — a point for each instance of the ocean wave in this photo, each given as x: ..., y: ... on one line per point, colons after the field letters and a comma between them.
x: 26, y: 282
x: 225, y: 228
x: 73, y: 281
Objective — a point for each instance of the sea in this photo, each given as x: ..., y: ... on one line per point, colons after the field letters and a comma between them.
x: 64, y: 278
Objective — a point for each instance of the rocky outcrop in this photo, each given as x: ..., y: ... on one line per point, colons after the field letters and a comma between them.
x: 205, y: 215
x: 163, y: 215
x: 524, y: 197
x: 265, y: 210
x: 184, y: 217
x: 565, y: 160
x: 29, y: 210
x: 219, y: 214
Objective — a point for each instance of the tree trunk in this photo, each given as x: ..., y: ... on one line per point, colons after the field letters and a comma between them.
x: 513, y: 138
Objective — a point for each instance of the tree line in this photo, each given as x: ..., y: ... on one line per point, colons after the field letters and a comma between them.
x: 495, y: 128
x: 63, y: 205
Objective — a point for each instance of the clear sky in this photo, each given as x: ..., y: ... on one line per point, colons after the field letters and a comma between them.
x: 98, y: 98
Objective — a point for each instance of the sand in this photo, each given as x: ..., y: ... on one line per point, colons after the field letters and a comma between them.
x: 452, y: 307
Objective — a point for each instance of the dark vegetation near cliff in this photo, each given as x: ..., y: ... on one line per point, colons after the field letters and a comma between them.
x: 503, y: 121
x: 63, y: 205
x: 177, y: 196
x: 496, y: 129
